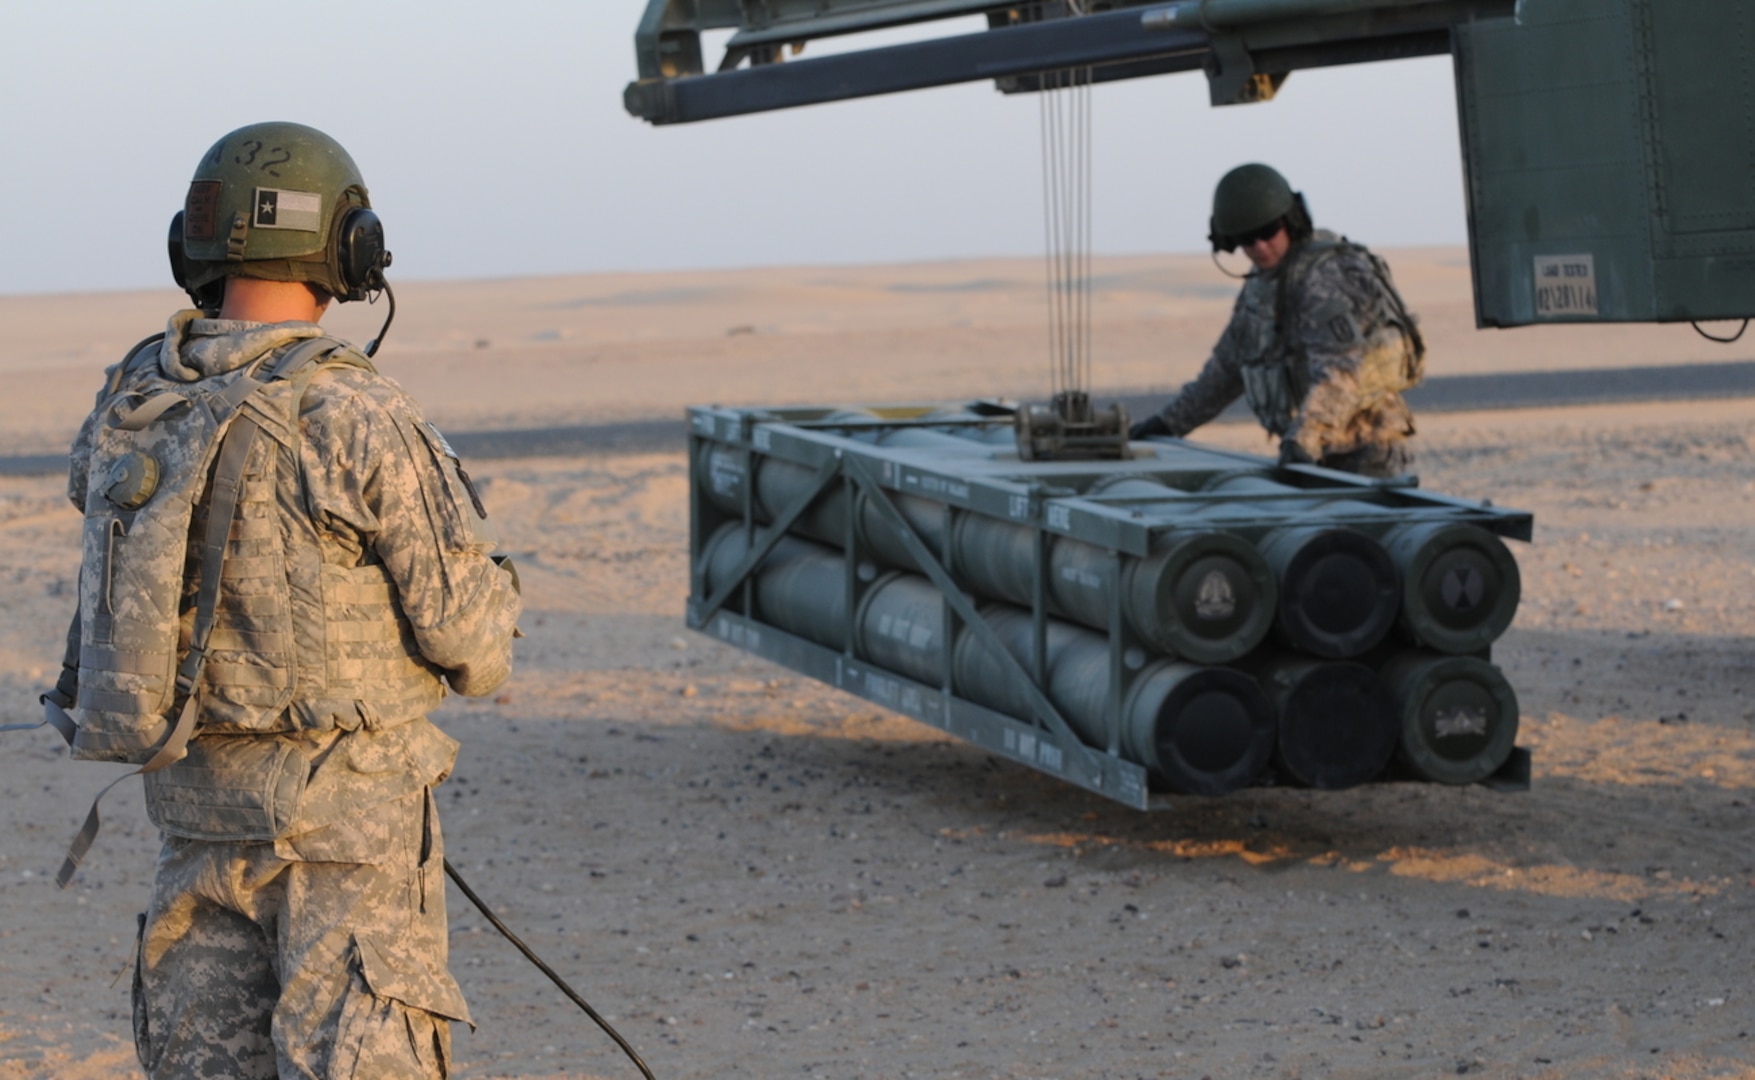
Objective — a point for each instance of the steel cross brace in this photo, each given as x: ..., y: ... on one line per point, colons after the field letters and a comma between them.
x: 700, y: 616
x: 861, y: 474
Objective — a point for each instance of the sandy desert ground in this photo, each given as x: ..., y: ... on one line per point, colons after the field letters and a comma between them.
x: 755, y: 876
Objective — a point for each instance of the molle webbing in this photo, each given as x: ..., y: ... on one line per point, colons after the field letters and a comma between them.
x: 231, y: 788
x: 300, y: 643
x: 250, y: 664
x: 371, y: 652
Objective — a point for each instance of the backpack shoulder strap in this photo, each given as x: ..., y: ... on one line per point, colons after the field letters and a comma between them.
x: 317, y: 350
x: 293, y: 360
x: 132, y: 359
x: 1380, y: 269
x: 1409, y: 324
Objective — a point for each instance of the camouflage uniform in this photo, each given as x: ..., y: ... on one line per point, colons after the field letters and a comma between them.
x: 315, y: 945
x: 1325, y: 377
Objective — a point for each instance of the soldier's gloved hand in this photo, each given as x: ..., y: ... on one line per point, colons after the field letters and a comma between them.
x: 1151, y: 425
x: 504, y: 562
x: 1291, y: 453
x: 479, y: 680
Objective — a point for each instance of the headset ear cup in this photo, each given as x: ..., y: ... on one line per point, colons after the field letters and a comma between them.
x: 360, y: 256
x: 1220, y: 243
x: 209, y: 296
x: 1301, y: 223
x: 174, y: 246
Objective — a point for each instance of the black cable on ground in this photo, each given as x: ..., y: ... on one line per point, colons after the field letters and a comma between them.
x: 451, y: 872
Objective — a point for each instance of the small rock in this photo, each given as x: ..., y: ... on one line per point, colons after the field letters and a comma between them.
x: 1059, y: 880
x: 689, y: 690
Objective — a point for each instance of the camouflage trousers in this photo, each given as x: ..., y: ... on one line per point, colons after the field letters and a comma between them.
x: 252, y: 965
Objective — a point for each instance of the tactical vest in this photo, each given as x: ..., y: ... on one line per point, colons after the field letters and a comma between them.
x: 1273, y: 382
x: 1276, y: 378
x: 203, y: 576
x: 204, y: 596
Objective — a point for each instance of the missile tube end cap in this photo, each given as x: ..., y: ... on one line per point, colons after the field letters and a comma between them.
x: 1201, y: 730
x: 1458, y: 715
x: 1460, y: 584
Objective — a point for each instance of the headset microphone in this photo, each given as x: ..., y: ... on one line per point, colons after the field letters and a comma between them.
x: 362, y: 258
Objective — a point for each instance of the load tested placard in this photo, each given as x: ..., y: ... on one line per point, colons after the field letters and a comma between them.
x: 1565, y: 285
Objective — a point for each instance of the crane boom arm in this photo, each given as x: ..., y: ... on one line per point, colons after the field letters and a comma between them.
x: 1247, y: 47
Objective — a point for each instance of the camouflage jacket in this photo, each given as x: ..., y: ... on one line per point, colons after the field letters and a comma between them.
x: 1327, y: 371
x: 374, y: 488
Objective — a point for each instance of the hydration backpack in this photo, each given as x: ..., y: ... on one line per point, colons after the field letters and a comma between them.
x: 160, y: 449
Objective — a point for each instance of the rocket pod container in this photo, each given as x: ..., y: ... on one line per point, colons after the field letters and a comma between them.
x: 1185, y: 619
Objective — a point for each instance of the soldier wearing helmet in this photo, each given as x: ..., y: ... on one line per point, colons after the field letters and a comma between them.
x: 1320, y: 343
x: 285, y: 570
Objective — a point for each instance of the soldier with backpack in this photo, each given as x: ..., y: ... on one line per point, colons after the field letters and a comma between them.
x: 1320, y: 343
x: 285, y: 569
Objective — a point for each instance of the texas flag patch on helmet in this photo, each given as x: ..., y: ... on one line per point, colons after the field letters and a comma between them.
x: 277, y: 209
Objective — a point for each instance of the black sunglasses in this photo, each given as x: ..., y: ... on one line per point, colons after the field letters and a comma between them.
x: 1255, y: 236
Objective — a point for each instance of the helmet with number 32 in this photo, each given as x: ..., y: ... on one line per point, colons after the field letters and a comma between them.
x: 279, y: 201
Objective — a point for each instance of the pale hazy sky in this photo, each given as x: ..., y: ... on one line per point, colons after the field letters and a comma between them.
x: 493, y: 139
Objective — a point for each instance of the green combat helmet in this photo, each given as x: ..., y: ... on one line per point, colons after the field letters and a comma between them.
x: 1249, y: 198
x: 278, y: 201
